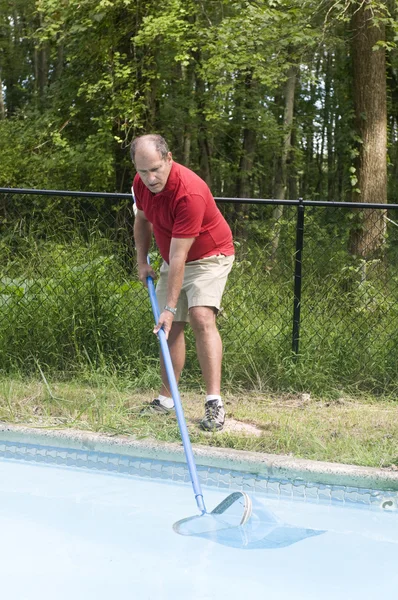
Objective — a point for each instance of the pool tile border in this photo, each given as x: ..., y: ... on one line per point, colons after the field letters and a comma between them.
x: 222, y: 478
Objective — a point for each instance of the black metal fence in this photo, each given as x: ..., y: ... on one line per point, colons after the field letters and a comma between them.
x: 310, y: 304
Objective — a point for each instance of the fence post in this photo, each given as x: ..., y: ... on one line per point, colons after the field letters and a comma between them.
x: 298, y: 277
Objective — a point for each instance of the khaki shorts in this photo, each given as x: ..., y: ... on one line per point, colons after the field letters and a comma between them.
x: 203, y: 285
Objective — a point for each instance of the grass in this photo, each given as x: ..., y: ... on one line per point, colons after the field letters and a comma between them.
x: 70, y: 303
x: 353, y: 430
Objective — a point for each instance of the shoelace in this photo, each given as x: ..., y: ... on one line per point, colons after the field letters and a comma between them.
x: 212, y: 411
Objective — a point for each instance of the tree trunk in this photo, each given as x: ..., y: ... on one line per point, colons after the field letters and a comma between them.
x: 307, y: 186
x: 320, y: 160
x: 203, y: 140
x: 246, y: 163
x: 392, y: 82
x: 10, y: 80
x: 59, y: 67
x: 329, y: 123
x: 370, y: 101
x: 188, y: 78
x: 187, y: 147
x: 243, y: 189
x: 41, y: 69
x: 247, y: 134
x: 2, y: 107
x: 292, y: 187
x: 281, y: 176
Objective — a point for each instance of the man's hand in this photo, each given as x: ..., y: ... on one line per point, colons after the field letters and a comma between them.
x: 144, y: 271
x: 165, y: 322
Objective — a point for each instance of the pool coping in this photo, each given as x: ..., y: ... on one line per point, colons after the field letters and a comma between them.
x: 269, y: 465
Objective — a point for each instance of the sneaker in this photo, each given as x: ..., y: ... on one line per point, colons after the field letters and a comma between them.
x: 214, y: 416
x: 157, y: 406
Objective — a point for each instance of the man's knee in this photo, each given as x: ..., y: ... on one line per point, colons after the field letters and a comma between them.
x: 202, y: 318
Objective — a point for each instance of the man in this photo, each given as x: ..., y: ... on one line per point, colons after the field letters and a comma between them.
x: 196, y: 245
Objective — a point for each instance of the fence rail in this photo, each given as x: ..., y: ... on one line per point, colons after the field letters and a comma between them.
x: 311, y: 301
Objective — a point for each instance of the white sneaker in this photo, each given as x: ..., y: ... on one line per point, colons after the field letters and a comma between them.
x: 157, y: 406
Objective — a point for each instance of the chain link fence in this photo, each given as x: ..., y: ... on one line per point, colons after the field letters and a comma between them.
x: 310, y: 303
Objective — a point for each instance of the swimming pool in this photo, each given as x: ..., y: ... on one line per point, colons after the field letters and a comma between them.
x: 93, y: 525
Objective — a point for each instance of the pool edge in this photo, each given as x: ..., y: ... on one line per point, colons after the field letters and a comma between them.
x: 271, y: 465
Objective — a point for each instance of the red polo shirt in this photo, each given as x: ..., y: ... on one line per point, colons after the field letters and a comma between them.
x: 185, y: 208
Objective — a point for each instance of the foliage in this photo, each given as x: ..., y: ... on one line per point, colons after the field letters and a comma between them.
x: 80, y: 78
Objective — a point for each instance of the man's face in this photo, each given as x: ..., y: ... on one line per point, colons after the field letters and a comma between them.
x: 152, y: 168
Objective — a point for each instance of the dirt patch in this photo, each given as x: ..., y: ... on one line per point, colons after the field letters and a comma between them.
x: 239, y: 427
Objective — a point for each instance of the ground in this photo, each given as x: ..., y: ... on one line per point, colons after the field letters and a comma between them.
x: 358, y: 430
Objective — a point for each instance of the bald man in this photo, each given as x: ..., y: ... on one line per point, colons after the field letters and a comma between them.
x: 195, y: 242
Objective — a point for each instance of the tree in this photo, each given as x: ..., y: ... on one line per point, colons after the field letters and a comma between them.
x: 80, y: 78
x: 281, y: 176
x: 370, y: 101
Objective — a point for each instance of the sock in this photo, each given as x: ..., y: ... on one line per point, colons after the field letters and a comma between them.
x: 166, y: 401
x: 214, y: 397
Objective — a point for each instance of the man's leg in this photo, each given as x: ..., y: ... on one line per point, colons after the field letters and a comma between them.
x: 164, y: 403
x: 209, y: 351
x: 208, y: 346
x: 176, y: 343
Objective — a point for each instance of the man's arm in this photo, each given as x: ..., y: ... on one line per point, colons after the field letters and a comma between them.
x: 179, y: 249
x: 143, y: 238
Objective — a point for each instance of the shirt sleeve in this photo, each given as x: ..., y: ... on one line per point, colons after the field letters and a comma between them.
x: 189, y: 214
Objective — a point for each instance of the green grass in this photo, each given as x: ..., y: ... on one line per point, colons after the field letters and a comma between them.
x: 353, y: 430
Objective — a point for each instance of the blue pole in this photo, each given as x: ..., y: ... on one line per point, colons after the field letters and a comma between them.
x: 177, y: 401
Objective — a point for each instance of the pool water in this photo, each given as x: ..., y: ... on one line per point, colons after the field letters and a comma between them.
x: 73, y: 533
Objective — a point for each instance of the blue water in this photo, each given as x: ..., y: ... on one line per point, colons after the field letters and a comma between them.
x: 70, y: 533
